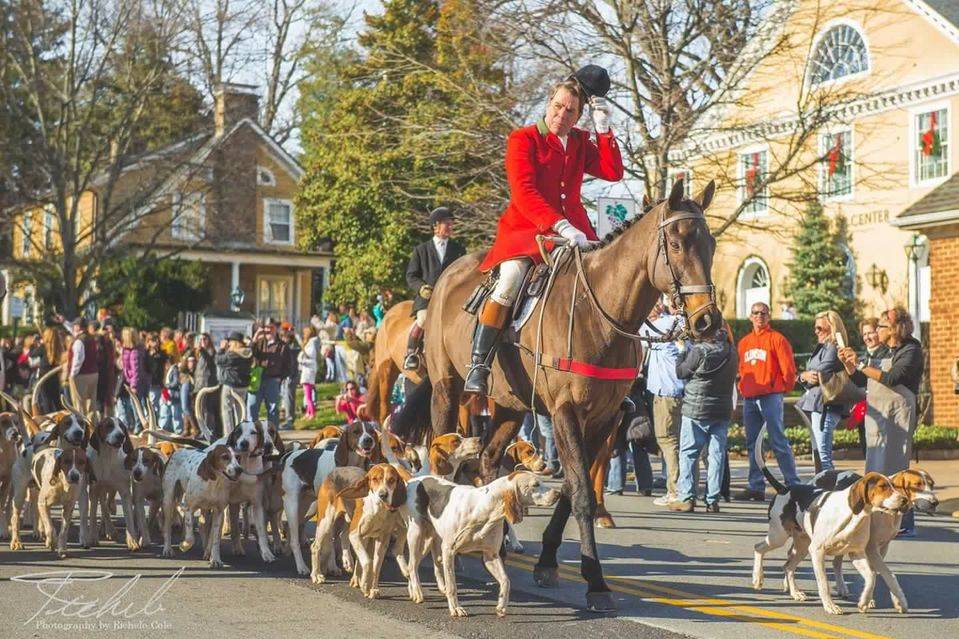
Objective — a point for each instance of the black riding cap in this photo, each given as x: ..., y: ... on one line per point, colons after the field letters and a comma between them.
x: 440, y: 214
x: 594, y: 80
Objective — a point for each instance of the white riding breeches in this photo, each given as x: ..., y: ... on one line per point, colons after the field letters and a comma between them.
x: 421, y: 318
x: 511, y: 274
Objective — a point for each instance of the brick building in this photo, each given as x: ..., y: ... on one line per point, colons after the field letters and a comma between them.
x: 937, y: 217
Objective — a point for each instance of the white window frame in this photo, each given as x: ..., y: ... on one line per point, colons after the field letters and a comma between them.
x: 742, y: 311
x: 267, y: 231
x: 178, y: 232
x: 914, y: 114
x: 26, y: 234
x: 741, y: 176
x: 824, y: 164
x: 260, y: 172
x: 290, y: 293
x: 829, y: 26
x: 48, y: 223
x: 687, y: 183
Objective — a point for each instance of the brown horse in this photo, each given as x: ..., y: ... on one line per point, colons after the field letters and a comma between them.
x: 389, y: 351
x: 667, y: 250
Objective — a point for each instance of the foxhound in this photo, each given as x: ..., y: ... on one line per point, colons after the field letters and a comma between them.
x: 450, y: 519
x: 203, y: 479
x: 108, y: 451
x: 145, y: 465
x: 823, y: 523
x: 58, y: 475
x: 375, y: 506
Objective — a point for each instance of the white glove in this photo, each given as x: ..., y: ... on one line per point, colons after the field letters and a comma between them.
x: 600, y: 114
x: 572, y: 234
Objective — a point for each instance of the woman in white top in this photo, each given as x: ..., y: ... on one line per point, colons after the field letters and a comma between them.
x: 308, y: 366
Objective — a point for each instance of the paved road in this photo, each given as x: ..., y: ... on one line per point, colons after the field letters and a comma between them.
x: 673, y: 574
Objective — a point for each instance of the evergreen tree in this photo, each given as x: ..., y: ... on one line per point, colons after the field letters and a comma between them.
x: 819, y: 279
x: 140, y: 289
x: 393, y: 130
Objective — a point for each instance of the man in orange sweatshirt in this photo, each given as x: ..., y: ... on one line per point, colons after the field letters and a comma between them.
x: 767, y: 370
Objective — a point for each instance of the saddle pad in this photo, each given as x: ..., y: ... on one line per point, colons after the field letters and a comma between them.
x: 523, y: 313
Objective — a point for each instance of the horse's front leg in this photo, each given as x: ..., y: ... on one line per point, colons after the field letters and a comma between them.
x: 597, y: 473
x: 574, y: 455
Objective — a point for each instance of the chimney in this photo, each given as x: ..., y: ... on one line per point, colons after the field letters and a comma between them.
x: 232, y: 103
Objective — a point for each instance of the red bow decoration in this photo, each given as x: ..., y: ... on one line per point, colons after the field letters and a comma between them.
x: 837, y: 160
x: 931, y: 141
x: 752, y: 172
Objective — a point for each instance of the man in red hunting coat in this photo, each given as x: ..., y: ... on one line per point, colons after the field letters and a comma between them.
x: 545, y: 165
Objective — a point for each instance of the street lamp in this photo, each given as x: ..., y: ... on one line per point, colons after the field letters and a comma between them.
x: 877, y: 278
x: 236, y: 299
x: 916, y: 252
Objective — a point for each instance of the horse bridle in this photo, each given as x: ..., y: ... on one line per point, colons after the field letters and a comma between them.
x: 677, y: 289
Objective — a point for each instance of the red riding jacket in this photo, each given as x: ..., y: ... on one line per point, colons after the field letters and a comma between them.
x: 544, y: 183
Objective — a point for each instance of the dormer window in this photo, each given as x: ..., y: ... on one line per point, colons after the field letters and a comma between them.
x: 278, y: 221
x: 265, y: 177
x: 840, y: 53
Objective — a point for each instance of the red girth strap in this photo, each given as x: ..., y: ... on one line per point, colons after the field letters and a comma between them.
x: 591, y: 370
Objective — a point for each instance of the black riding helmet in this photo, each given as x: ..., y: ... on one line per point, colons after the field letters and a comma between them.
x: 593, y: 79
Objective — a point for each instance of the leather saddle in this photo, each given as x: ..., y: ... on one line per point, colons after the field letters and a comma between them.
x: 530, y: 292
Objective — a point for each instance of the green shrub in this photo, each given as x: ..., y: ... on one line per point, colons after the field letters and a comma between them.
x: 925, y: 438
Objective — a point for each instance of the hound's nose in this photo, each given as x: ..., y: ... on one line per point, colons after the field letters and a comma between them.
x: 73, y: 477
x: 244, y: 444
x: 137, y: 475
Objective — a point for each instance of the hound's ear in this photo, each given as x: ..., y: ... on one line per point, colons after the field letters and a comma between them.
x: 512, y: 506
x: 413, y: 458
x: 278, y: 444
x: 234, y: 435
x: 358, y: 490
x: 705, y: 197
x: 205, y: 469
x: 92, y: 476
x: 403, y: 473
x: 341, y: 457
x: 158, y: 466
x: 857, y: 496
x: 95, y: 441
x: 510, y: 453
x: 127, y: 445
x: 676, y: 195
x: 439, y: 462
x: 647, y: 204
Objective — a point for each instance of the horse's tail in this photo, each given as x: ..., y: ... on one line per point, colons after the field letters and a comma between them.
x: 761, y: 462
x: 412, y: 422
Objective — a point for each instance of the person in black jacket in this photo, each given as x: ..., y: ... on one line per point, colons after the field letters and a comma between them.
x: 234, y: 362
x: 710, y: 369
x: 429, y: 260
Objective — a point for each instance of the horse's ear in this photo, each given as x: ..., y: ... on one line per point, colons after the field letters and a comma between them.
x: 705, y: 197
x: 646, y: 202
x: 676, y: 195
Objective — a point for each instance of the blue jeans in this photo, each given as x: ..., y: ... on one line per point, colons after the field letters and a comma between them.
x: 270, y: 393
x: 171, y: 418
x: 769, y: 409
x: 616, y: 477
x: 186, y: 389
x: 693, y: 435
x: 822, y: 438
x: 544, y: 424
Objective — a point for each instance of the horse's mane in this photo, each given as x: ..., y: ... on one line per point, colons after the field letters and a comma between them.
x: 607, y: 239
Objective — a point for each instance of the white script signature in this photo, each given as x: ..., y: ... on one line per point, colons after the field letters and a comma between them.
x: 59, y: 600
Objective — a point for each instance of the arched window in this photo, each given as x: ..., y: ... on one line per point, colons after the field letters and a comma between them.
x: 752, y: 285
x: 841, y: 52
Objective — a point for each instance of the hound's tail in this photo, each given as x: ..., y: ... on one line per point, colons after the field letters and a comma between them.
x: 758, y: 455
x: 177, y: 439
x: 412, y: 422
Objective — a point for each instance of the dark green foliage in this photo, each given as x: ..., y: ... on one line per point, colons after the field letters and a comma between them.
x: 818, y: 277
x: 148, y: 293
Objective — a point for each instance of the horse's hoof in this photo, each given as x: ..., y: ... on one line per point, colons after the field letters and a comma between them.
x: 605, y: 521
x: 546, y: 576
x: 600, y: 602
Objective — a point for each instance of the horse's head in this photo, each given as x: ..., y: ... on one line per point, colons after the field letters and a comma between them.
x: 681, y: 266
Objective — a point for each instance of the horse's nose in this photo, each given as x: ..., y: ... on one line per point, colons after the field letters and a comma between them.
x: 702, y: 324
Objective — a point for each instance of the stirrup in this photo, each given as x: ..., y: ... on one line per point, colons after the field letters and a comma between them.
x: 477, y: 387
x: 412, y: 361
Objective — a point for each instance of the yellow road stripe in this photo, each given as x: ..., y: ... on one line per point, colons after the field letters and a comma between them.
x: 713, y: 606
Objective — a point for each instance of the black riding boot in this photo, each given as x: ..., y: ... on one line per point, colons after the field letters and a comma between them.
x: 484, y: 345
x: 414, y: 347
x: 485, y: 338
